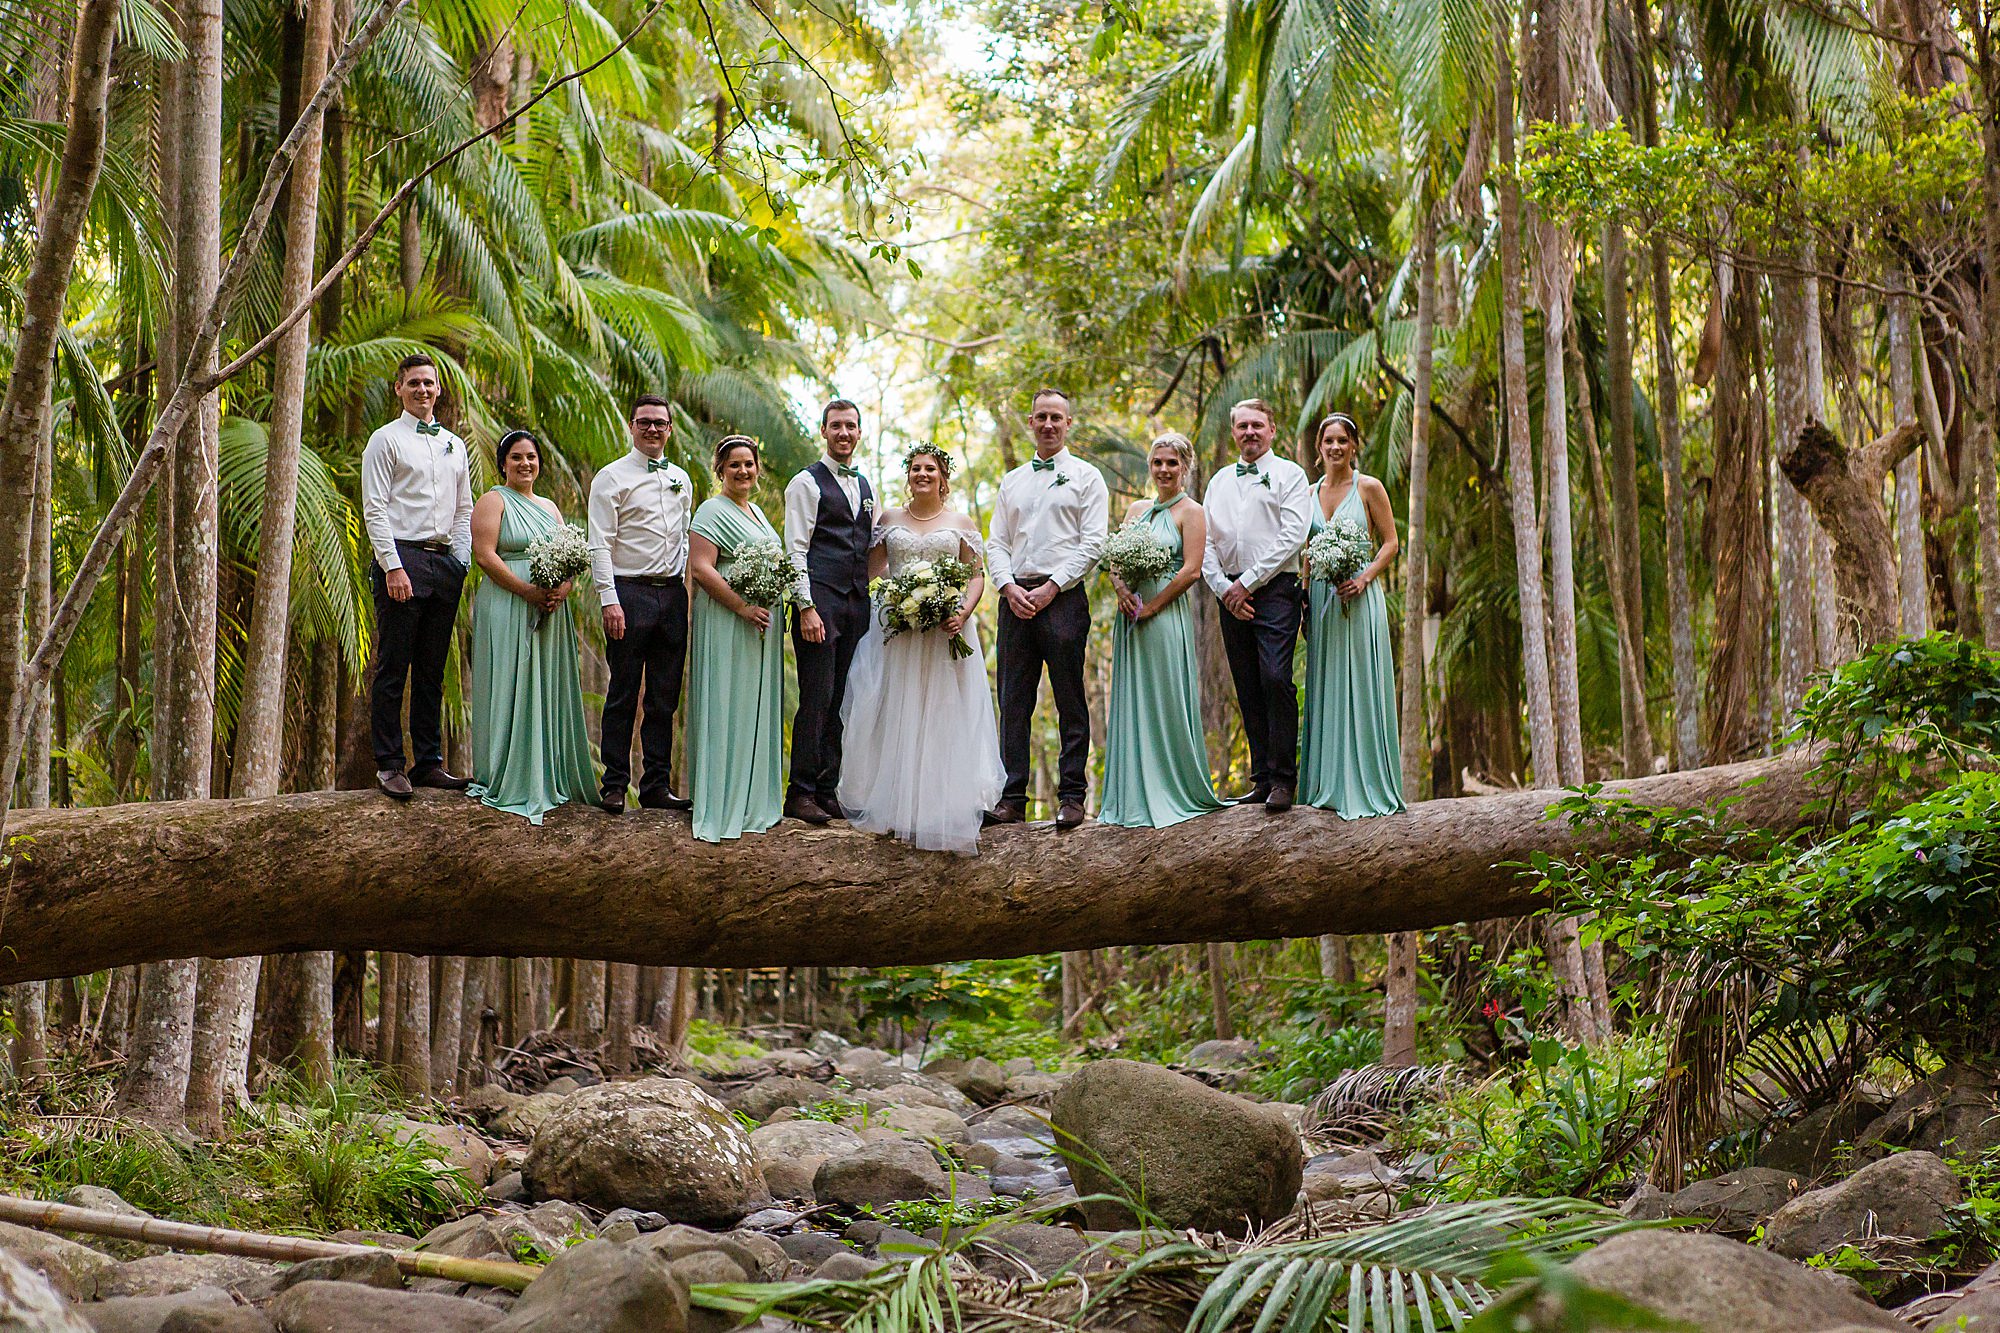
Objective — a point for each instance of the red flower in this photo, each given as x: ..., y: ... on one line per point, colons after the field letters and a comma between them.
x: 1492, y: 1009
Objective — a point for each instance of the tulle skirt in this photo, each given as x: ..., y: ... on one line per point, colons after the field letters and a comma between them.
x: 922, y: 754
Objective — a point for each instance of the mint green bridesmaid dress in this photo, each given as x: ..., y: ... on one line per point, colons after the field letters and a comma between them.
x: 1155, y: 759
x: 1350, y: 761
x: 530, y: 744
x: 736, y: 694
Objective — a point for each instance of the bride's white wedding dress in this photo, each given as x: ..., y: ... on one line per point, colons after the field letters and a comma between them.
x: 922, y: 756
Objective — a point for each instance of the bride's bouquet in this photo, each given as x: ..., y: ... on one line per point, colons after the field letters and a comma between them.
x: 555, y: 556
x: 764, y: 574
x: 1339, y: 552
x: 1136, y: 555
x: 923, y: 597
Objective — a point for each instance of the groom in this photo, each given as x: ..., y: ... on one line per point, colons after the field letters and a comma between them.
x: 416, y: 505
x: 829, y: 520
x: 1049, y: 524
x: 1259, y: 514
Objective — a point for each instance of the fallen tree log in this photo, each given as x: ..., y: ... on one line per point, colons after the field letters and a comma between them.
x: 97, y: 888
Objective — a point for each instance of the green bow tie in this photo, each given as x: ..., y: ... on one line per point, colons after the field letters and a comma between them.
x: 657, y: 465
x: 1042, y: 464
x: 846, y: 471
x: 1246, y: 469
x: 428, y: 428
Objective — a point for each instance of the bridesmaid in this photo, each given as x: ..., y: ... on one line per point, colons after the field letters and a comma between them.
x: 736, y: 664
x: 530, y: 746
x: 1156, y: 760
x: 1350, y: 762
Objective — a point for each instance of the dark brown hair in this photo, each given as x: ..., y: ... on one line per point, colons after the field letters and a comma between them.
x: 411, y: 362
x: 838, y: 405
x: 728, y: 444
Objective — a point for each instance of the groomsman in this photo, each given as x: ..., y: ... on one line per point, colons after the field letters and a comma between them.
x: 1049, y: 525
x: 829, y: 520
x: 639, y: 508
x: 416, y: 505
x: 1259, y: 514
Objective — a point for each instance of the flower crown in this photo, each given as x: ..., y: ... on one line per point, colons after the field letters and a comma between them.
x: 935, y: 451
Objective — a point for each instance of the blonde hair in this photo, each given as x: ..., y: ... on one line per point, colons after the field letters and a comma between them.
x: 1182, y: 446
x: 1255, y: 405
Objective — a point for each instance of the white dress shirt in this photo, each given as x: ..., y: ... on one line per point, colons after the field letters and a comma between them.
x: 802, y: 515
x: 415, y: 488
x: 1257, y: 523
x: 1049, y: 523
x: 638, y: 522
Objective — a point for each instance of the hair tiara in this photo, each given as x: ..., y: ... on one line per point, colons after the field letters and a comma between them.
x: 935, y: 451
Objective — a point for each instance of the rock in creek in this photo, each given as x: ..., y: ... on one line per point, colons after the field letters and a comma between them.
x: 29, y: 1303
x: 1720, y: 1285
x: 1906, y: 1197
x: 655, y: 1144
x: 599, y: 1287
x: 349, y: 1307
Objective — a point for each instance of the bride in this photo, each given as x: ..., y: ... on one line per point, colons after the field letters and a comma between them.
x: 923, y: 756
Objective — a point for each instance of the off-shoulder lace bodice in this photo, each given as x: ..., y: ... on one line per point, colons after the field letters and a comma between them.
x: 907, y: 545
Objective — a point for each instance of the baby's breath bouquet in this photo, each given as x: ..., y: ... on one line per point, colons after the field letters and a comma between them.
x: 1339, y: 552
x: 1136, y: 554
x: 555, y: 556
x: 764, y: 574
x: 923, y: 597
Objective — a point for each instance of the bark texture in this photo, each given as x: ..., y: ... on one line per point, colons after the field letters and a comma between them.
x: 1845, y: 491
x: 348, y: 870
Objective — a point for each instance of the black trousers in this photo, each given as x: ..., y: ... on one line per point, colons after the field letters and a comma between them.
x: 1260, y: 662
x: 1055, y: 639
x: 413, y: 643
x: 823, y: 667
x: 648, y: 660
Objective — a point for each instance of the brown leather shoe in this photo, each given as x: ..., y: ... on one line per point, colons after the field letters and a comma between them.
x: 1280, y: 799
x: 1069, y: 816
x: 438, y: 778
x: 663, y: 800
x: 612, y: 802
x: 393, y: 783
x: 1257, y: 795
x: 834, y: 809
x: 1007, y: 812
x: 806, y: 808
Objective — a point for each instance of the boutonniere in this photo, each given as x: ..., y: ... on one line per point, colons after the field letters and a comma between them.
x: 674, y: 485
x: 1265, y: 481
x: 1061, y: 479
x: 868, y: 504
x: 447, y: 448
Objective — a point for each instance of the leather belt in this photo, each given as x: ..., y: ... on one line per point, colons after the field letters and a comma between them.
x: 434, y: 547
x: 649, y: 580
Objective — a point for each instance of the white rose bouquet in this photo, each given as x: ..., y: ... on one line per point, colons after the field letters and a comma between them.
x: 1136, y: 555
x: 556, y: 556
x: 923, y: 597
x: 1340, y: 551
x: 764, y: 574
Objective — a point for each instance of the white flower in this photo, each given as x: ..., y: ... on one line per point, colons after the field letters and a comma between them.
x: 912, y: 606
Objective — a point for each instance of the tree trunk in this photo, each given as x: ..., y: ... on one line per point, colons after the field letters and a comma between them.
x: 1412, y: 726
x: 621, y: 1006
x: 447, y: 1024
x: 1336, y: 960
x: 1738, y: 540
x: 121, y: 884
x: 1399, y: 1003
x: 1542, y: 743
x: 412, y: 1016
x: 1845, y: 490
x: 1795, y: 338
x: 1218, y: 990
x: 1913, y: 583
x: 219, y: 1057
x: 1635, y: 729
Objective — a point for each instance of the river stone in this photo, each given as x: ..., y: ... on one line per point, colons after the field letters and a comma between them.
x: 1907, y: 1195
x: 1034, y: 1088
x: 790, y: 1153
x: 1222, y: 1053
x: 763, y: 1097
x: 456, y: 1146
x: 1809, y: 1145
x: 845, y: 1266
x: 1735, y: 1203
x: 656, y: 1144
x: 107, y: 1201
x: 927, y: 1122
x: 876, y: 1174
x: 811, y: 1248
x: 708, y: 1268
x: 162, y: 1274
x: 1001, y: 1249
x: 349, y: 1307
x: 1203, y: 1158
x: 1720, y: 1285
x: 674, y: 1243
x: 29, y: 1302
x: 219, y: 1319
x: 977, y: 1077
x: 599, y: 1287
x: 1975, y: 1307
x: 145, y: 1314
x: 523, y: 1118
x: 883, y: 1078
x: 75, y: 1271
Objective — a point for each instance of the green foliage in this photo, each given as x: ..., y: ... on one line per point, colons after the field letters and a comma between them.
x: 920, y: 1215
x: 1564, y: 1123
x: 1017, y: 1018
x: 834, y: 1111
x: 713, y: 1047
x: 303, y: 1158
x: 931, y: 995
x: 1328, y: 1030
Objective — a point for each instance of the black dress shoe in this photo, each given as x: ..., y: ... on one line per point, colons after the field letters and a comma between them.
x: 438, y: 778
x: 664, y: 800
x: 1007, y: 812
x: 1280, y: 799
x: 834, y: 809
x: 807, y: 809
x: 1070, y: 816
x: 612, y: 803
x: 393, y: 783
x: 1257, y: 795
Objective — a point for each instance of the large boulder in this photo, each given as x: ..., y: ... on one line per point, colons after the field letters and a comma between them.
x: 1736, y: 1202
x: 1906, y: 1197
x: 977, y: 1077
x: 790, y: 1153
x: 599, y: 1287
x: 350, y: 1307
x: 655, y: 1144
x: 881, y: 1173
x: 1810, y: 1145
x: 763, y: 1097
x: 75, y: 1271
x: 1718, y: 1285
x: 1974, y: 1308
x: 102, y: 1200
x: 164, y: 1274
x: 217, y: 1319
x: 453, y: 1145
x: 30, y: 1304
x: 520, y: 1119
x: 1199, y: 1157
x: 148, y: 1314
x: 926, y: 1122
